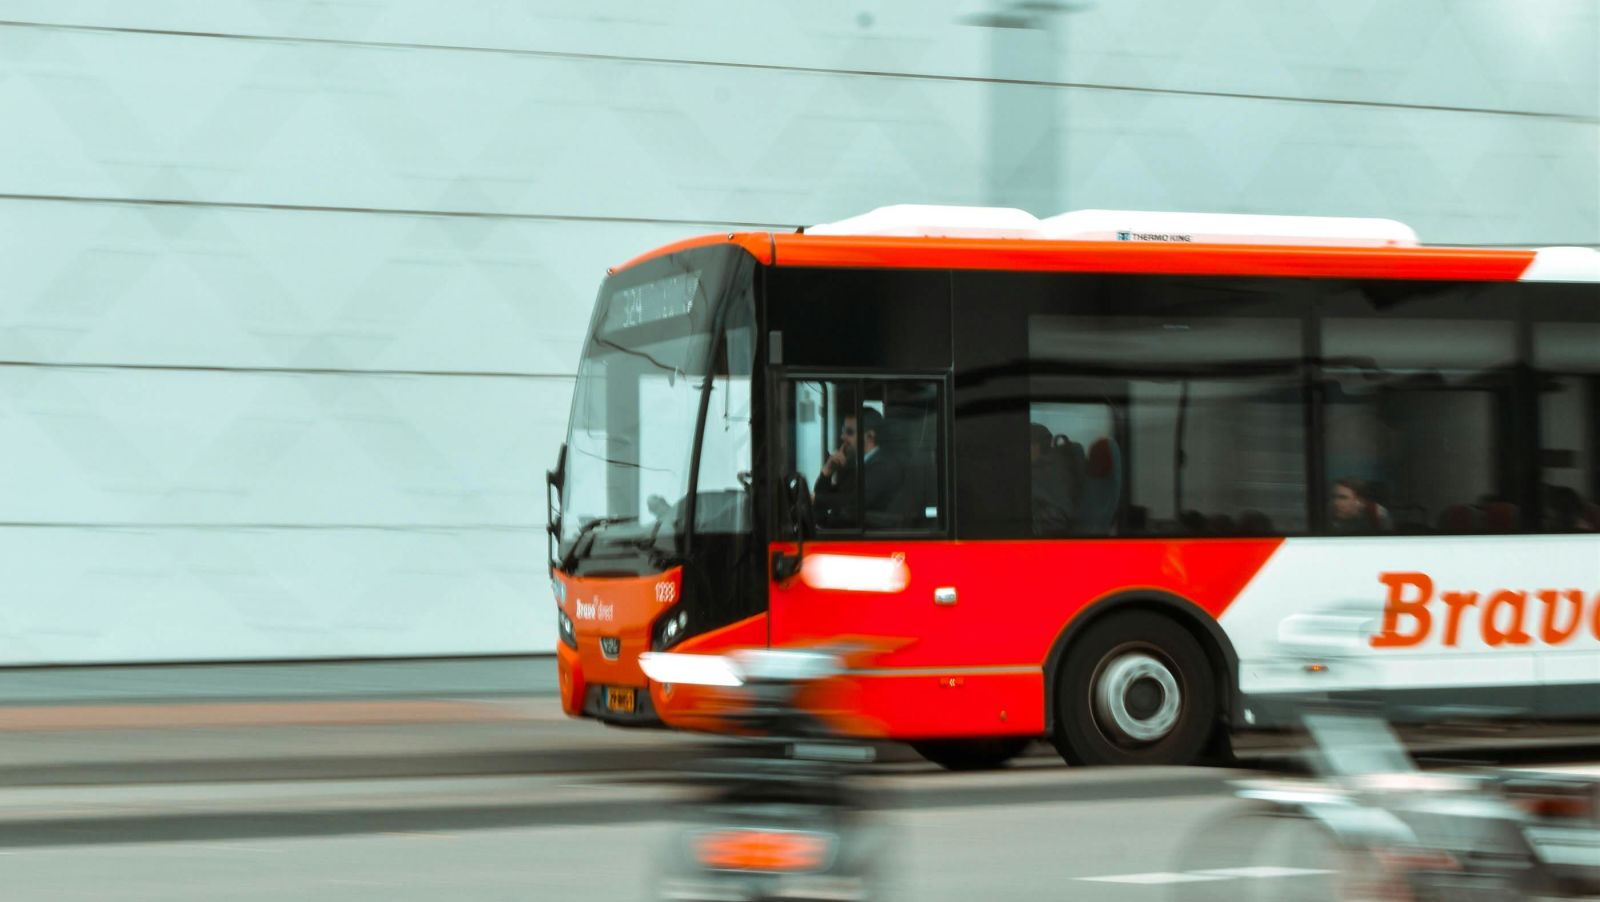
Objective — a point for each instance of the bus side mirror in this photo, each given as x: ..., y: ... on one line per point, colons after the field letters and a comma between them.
x: 797, y: 496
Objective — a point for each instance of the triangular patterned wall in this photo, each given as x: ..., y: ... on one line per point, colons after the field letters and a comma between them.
x: 293, y: 290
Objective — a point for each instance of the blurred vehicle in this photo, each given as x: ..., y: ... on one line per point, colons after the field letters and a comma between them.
x: 1097, y: 466
x: 782, y: 817
x: 1371, y: 825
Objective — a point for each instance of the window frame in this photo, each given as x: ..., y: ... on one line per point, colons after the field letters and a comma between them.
x: 1552, y: 305
x: 779, y: 402
x: 994, y: 376
x: 1124, y: 413
x: 1292, y: 302
x: 1514, y: 431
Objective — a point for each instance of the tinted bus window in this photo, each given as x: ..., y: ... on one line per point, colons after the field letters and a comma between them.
x: 1566, y: 349
x: 896, y: 320
x: 1419, y: 394
x: 1095, y: 405
x: 870, y: 451
x: 1179, y: 424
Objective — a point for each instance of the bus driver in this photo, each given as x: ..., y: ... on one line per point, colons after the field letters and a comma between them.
x: 834, y: 493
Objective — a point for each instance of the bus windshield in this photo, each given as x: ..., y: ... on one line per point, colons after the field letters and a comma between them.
x: 669, y: 351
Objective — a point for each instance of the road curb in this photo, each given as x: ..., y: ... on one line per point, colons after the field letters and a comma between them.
x: 246, y: 713
x: 648, y: 802
x: 622, y: 760
x: 346, y: 767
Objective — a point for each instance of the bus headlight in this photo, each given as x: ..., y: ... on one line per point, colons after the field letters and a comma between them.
x: 569, y: 636
x: 671, y: 629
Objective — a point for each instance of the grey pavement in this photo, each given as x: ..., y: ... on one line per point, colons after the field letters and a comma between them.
x: 310, y: 739
x: 100, y: 815
x: 1123, y: 850
x: 191, y: 752
x: 401, y: 719
x: 638, y: 777
x: 408, y: 678
x: 938, y: 855
x: 1116, y: 849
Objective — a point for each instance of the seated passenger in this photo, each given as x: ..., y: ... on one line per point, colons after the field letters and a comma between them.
x: 1052, y: 492
x: 1254, y: 523
x: 1500, y: 516
x: 1221, y: 525
x: 834, y: 494
x: 1102, y: 489
x: 1355, y: 512
x: 1459, y: 518
x: 1077, y: 462
x: 1565, y: 511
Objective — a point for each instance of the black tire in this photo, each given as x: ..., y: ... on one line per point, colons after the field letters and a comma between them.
x: 971, y: 754
x: 1152, y: 657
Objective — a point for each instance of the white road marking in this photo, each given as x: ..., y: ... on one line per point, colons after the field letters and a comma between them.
x: 1155, y: 877
x: 1264, y: 872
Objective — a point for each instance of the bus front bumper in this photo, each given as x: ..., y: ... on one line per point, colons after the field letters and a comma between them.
x: 601, y: 701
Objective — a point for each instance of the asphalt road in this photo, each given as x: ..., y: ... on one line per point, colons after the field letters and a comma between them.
x: 1036, y: 831
x: 1139, y: 850
x: 441, y: 781
x: 1110, y: 849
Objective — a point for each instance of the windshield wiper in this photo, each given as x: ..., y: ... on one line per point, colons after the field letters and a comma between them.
x: 587, y: 530
x: 672, y: 371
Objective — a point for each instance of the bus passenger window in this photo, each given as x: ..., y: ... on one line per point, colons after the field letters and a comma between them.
x: 906, y: 494
x: 1074, y: 469
x: 1566, y: 355
x: 869, y: 450
x: 821, y: 439
x: 1412, y: 413
x: 1173, y: 425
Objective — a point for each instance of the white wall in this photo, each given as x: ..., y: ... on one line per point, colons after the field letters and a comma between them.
x: 293, y: 291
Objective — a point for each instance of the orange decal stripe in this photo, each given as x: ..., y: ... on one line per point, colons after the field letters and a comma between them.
x: 1024, y: 255
x: 756, y: 244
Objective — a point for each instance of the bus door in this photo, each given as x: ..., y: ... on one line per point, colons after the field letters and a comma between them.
x: 868, y: 452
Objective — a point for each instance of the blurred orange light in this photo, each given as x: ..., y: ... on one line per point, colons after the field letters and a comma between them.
x: 761, y: 850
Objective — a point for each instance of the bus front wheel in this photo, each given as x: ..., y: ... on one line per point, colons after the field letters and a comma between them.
x: 1135, y: 688
x: 971, y: 754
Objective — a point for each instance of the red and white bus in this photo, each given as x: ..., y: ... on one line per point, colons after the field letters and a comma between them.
x: 1127, y: 481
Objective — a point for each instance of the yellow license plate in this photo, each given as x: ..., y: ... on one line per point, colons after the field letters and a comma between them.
x: 618, y: 699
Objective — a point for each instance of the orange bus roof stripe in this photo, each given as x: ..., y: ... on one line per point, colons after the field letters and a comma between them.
x: 757, y: 244
x: 1147, y: 258
x: 1027, y: 255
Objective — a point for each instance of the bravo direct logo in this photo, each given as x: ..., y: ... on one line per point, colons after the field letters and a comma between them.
x: 1413, y: 613
x: 596, y: 610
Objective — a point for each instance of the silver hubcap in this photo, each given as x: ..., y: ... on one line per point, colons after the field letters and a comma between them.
x: 1137, y: 697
